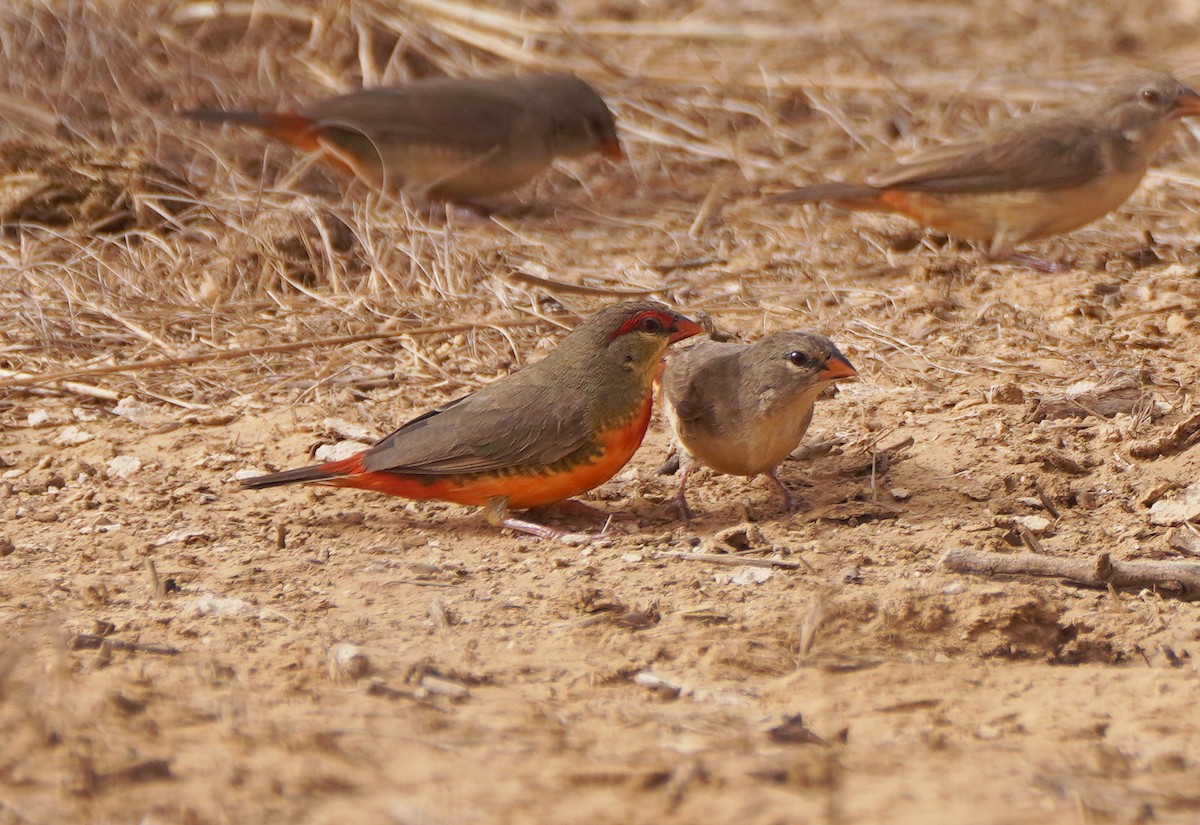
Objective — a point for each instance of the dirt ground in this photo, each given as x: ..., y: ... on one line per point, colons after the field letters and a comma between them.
x: 177, y: 650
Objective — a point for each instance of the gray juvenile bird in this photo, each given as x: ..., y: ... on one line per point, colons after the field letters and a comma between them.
x: 451, y: 139
x: 742, y: 408
x: 1030, y: 177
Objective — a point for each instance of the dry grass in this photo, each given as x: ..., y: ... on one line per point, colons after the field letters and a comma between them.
x: 266, y: 250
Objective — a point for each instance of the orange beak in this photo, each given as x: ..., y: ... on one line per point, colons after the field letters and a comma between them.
x: 611, y: 149
x: 835, y: 368
x: 1188, y: 104
x: 686, y: 328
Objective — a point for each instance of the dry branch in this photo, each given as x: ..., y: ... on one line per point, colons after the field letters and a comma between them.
x: 19, y: 379
x: 13, y: 379
x: 1100, y: 571
x: 732, y: 560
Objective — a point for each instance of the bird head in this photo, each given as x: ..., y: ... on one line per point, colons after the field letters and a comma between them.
x: 622, y: 346
x: 580, y: 120
x: 783, y: 367
x: 1142, y: 108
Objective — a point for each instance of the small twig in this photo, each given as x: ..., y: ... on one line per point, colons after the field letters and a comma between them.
x: 90, y: 641
x: 27, y: 379
x: 86, y: 390
x: 421, y: 582
x: 1047, y: 504
x: 731, y: 560
x: 709, y: 207
x: 579, y: 289
x: 156, y: 584
x: 1099, y: 571
x: 1030, y: 540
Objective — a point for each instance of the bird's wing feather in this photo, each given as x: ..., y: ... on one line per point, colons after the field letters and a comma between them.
x: 490, y: 430
x: 1049, y: 152
x: 687, y: 375
x: 473, y: 116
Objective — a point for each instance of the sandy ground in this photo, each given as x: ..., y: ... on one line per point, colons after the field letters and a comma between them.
x: 177, y: 650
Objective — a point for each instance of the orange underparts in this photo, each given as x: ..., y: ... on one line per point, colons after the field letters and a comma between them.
x: 895, y: 200
x: 523, y: 489
x: 925, y: 208
x: 302, y: 133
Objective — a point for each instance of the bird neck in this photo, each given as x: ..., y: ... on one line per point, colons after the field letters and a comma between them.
x: 1138, y: 140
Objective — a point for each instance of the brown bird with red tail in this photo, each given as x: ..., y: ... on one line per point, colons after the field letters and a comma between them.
x: 1028, y: 178
x: 742, y: 408
x: 453, y: 139
x: 551, y: 431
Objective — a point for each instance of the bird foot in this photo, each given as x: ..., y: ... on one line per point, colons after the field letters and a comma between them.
x: 579, y: 509
x: 1039, y: 264
x: 497, y: 515
x: 681, y: 505
x: 789, y: 501
x: 543, y: 531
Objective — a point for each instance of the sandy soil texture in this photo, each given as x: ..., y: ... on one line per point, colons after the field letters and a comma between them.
x: 177, y: 650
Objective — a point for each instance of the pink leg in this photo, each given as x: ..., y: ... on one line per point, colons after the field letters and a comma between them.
x: 497, y: 515
x: 1031, y: 262
x: 681, y: 506
x: 788, y: 500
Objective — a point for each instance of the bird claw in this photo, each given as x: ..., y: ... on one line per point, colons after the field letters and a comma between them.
x: 574, y: 507
x: 497, y: 514
x: 1039, y: 264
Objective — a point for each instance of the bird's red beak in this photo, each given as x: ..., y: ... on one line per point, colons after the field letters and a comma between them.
x: 684, y: 328
x: 1188, y: 104
x: 836, y: 367
x: 612, y: 150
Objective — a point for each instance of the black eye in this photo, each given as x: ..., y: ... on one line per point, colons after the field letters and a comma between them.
x: 800, y: 359
x: 1152, y: 97
x: 652, y: 325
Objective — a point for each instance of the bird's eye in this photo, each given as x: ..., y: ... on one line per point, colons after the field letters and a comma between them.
x: 652, y: 325
x: 1152, y: 97
x: 800, y: 359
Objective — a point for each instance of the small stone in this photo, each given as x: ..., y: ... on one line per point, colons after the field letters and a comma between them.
x: 1178, y: 538
x: 123, y: 466
x: 135, y: 412
x: 739, y: 538
x: 336, y: 452
x: 1009, y: 393
x: 37, y: 418
x: 1183, y: 506
x: 347, y: 662
x: 350, y: 431
x: 631, y: 558
x: 73, y: 436
x: 954, y: 589
x: 747, y: 575
x: 1177, y: 323
x: 1038, y: 525
x: 900, y: 493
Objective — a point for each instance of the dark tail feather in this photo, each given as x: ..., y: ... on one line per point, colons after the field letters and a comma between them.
x: 286, y: 126
x: 246, y: 118
x: 837, y: 191
x: 314, y: 472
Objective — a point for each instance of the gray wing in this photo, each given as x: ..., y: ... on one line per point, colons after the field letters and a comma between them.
x: 510, y: 424
x: 1054, y: 151
x: 465, y: 113
x: 694, y: 381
